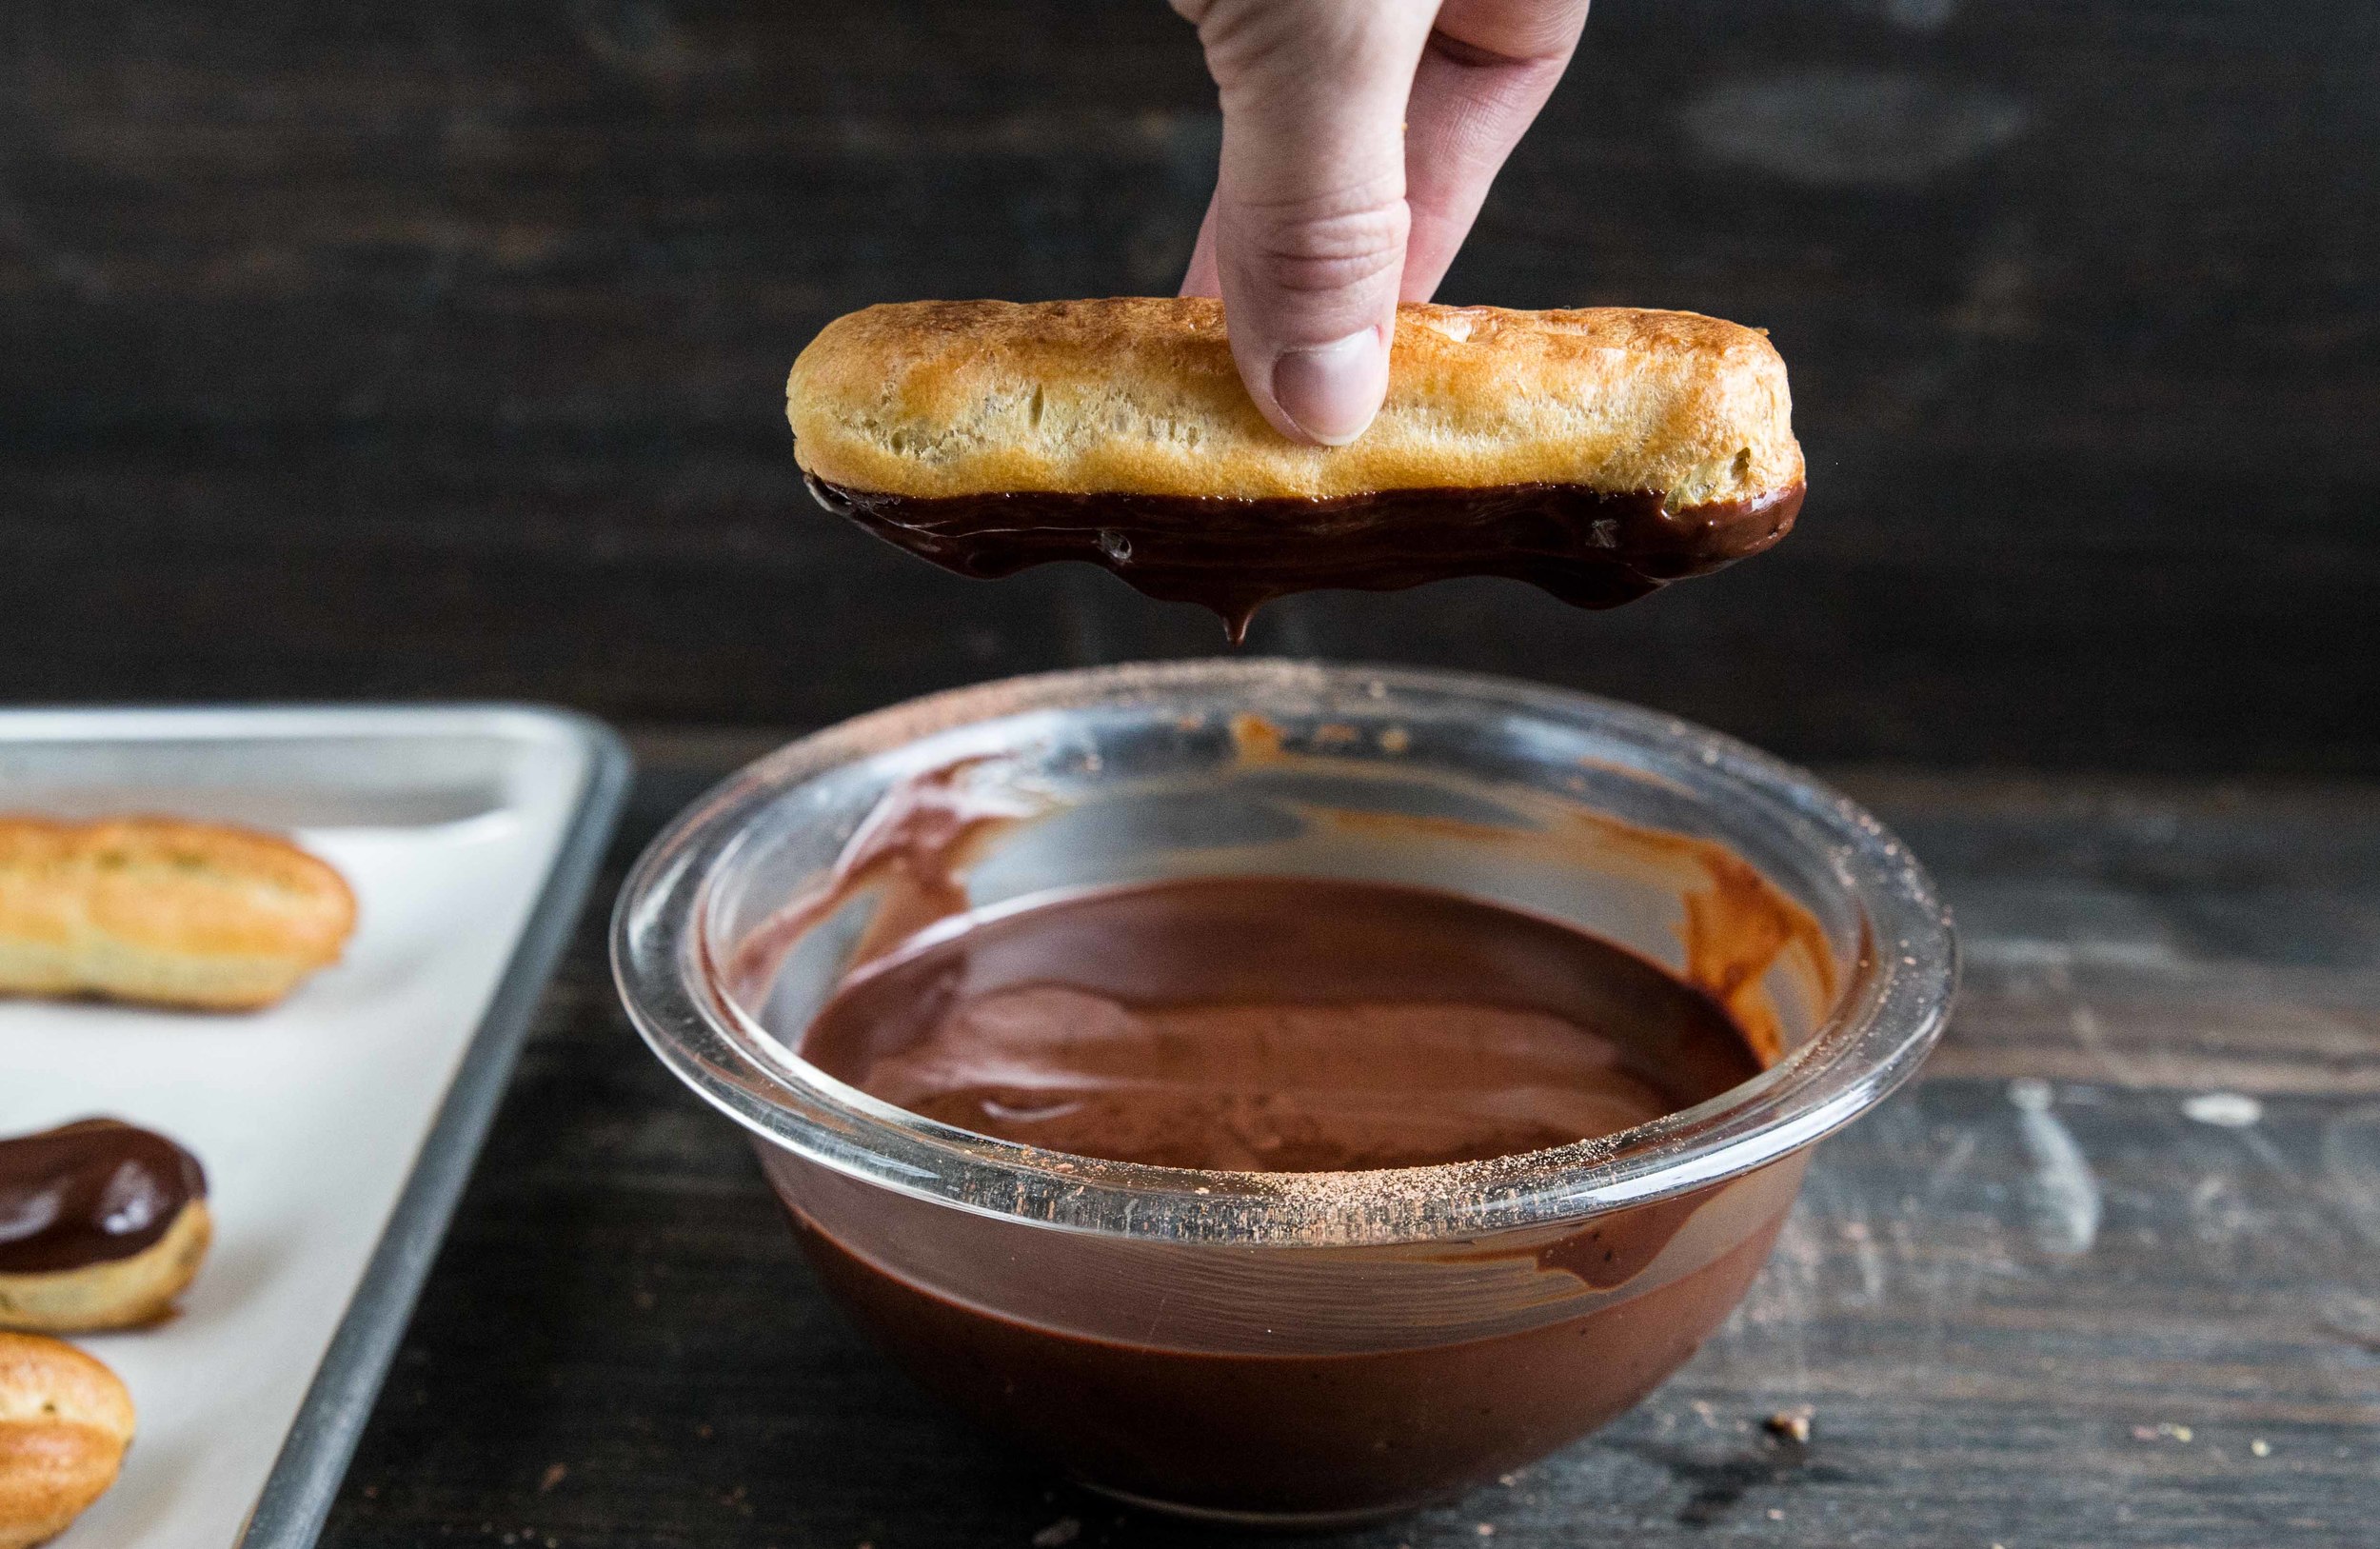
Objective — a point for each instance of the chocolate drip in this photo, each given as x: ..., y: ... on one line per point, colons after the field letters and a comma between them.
x: 90, y: 1192
x: 1589, y: 547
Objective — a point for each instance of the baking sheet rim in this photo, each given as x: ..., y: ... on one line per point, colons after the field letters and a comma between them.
x: 295, y: 1501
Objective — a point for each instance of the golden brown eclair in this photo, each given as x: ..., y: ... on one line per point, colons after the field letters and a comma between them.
x: 164, y: 911
x: 1139, y: 395
x: 118, y: 1293
x: 65, y: 1420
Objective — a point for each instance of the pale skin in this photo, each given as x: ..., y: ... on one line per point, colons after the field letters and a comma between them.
x: 1360, y: 138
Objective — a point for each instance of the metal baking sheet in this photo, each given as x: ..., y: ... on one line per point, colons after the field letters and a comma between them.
x: 340, y: 1127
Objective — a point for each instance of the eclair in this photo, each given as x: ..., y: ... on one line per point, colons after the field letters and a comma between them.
x: 65, y: 1420
x: 101, y: 1225
x: 1599, y: 452
x: 157, y: 910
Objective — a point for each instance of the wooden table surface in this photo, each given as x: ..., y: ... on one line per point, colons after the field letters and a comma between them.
x: 2108, y: 1274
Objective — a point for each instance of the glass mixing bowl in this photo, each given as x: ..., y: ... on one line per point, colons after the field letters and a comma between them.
x: 1294, y: 1349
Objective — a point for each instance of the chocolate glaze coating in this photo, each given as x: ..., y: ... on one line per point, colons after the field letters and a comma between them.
x: 1589, y: 547
x: 89, y: 1192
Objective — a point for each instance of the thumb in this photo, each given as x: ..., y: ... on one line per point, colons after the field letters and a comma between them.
x: 1306, y: 238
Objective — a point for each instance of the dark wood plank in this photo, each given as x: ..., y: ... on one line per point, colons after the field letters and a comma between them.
x: 619, y: 1347
x: 437, y: 348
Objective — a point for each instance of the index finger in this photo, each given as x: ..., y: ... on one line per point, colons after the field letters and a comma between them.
x: 1487, y: 68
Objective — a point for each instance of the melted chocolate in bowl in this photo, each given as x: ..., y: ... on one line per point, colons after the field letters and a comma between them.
x: 1303, y: 1435
x: 1284, y: 1025
x: 1589, y: 547
x: 1243, y: 925
x: 1277, y: 1025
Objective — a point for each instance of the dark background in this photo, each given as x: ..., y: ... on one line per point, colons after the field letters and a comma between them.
x: 437, y: 348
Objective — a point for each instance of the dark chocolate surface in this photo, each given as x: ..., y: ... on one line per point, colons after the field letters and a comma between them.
x: 89, y: 1192
x: 1590, y: 547
x: 1277, y: 1025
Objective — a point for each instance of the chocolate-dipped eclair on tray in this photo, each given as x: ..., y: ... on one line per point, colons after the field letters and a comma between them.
x: 101, y: 1225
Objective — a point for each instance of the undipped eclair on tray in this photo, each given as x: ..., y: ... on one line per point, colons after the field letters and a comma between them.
x: 1598, y: 453
x: 65, y: 1420
x: 158, y: 910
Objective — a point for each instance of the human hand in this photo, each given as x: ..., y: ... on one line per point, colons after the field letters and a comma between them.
x: 1360, y: 137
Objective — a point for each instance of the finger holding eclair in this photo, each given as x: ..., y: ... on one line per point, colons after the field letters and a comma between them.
x: 101, y: 1225
x: 65, y: 1422
x: 1598, y: 453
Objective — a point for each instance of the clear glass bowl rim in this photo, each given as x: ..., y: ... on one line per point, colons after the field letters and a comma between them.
x: 1889, y: 1015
